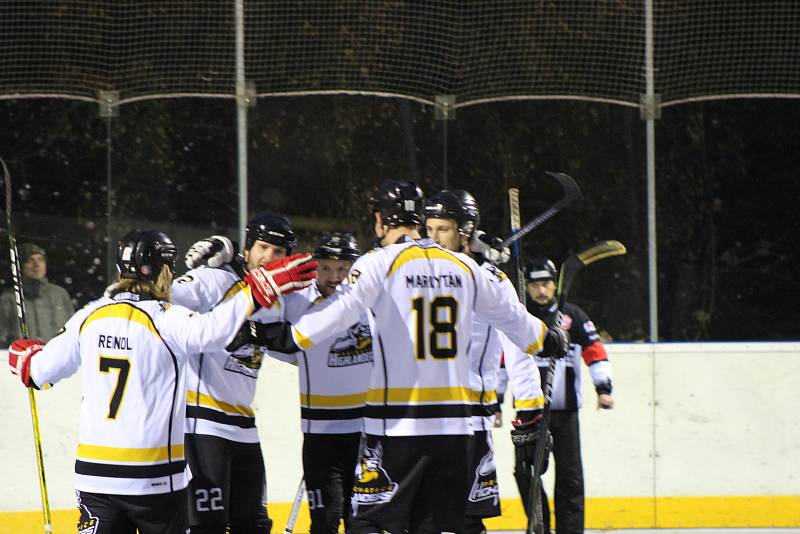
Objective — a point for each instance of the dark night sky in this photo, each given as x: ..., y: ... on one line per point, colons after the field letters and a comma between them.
x: 727, y: 170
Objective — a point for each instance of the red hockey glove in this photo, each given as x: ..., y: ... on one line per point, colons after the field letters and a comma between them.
x: 19, y: 357
x: 280, y: 277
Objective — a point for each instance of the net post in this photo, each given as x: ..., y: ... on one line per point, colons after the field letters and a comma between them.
x: 650, y: 106
x: 445, y: 111
x: 109, y: 103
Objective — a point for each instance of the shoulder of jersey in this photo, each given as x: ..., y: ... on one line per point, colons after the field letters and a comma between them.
x: 577, y: 313
x: 309, y: 294
x: 371, y: 257
x: 497, y: 274
x: 207, y: 274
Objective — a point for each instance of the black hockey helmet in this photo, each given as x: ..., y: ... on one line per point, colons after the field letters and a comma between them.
x: 455, y: 204
x: 272, y: 228
x: 337, y: 246
x: 398, y: 202
x: 142, y: 254
x: 540, y: 269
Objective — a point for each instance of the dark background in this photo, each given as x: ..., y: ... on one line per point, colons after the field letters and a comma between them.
x: 727, y: 189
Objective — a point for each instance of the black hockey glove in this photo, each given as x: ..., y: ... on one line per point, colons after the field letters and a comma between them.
x: 489, y: 247
x: 556, y: 343
x: 525, y: 436
x: 214, y: 251
x: 273, y: 336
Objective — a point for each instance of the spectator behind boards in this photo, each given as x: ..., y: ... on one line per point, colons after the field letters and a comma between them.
x: 47, y: 305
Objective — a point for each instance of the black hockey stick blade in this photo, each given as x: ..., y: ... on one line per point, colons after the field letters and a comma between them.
x: 571, y: 193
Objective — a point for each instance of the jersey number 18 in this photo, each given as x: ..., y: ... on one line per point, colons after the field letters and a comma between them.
x: 442, y: 339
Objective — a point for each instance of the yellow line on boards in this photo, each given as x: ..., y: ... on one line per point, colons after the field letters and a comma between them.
x: 601, y: 513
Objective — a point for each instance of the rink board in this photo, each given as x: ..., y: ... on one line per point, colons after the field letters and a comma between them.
x: 703, y: 435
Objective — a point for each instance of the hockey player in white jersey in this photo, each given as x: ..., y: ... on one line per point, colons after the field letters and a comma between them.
x: 414, y: 471
x: 451, y: 220
x: 228, y: 488
x: 334, y: 377
x: 132, y: 346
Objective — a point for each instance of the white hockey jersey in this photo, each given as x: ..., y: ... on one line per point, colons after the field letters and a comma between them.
x: 487, y: 346
x: 334, y: 374
x: 132, y: 354
x: 421, y: 298
x: 220, y: 386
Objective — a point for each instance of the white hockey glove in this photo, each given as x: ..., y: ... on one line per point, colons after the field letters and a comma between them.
x: 489, y: 247
x: 214, y: 251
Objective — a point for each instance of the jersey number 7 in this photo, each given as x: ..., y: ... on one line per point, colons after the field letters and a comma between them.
x: 442, y: 339
x: 123, y: 366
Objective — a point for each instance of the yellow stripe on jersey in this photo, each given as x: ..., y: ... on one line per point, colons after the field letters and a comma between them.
x: 419, y: 395
x: 332, y: 401
x: 122, y: 310
x: 302, y: 341
x: 529, y: 404
x: 537, y: 345
x: 488, y: 396
x: 195, y: 398
x: 235, y: 288
x: 128, y: 454
x: 419, y: 253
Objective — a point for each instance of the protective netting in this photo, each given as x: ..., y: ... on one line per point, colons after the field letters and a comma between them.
x: 135, y: 47
x: 717, y: 48
x: 473, y: 49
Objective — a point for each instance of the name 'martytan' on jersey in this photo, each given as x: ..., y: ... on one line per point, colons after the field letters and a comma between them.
x: 421, y: 299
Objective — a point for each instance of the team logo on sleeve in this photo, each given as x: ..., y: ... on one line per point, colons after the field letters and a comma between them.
x: 372, y: 484
x: 484, y: 486
x: 353, y: 348
x: 353, y: 276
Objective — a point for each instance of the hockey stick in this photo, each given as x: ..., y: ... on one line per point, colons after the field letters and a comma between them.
x: 513, y: 208
x: 23, y: 326
x: 571, y: 193
x: 298, y: 500
x: 569, y: 269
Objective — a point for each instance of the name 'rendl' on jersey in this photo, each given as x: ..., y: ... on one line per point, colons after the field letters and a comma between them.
x: 221, y: 385
x: 421, y: 298
x: 132, y: 355
x: 486, y: 348
x: 334, y: 374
